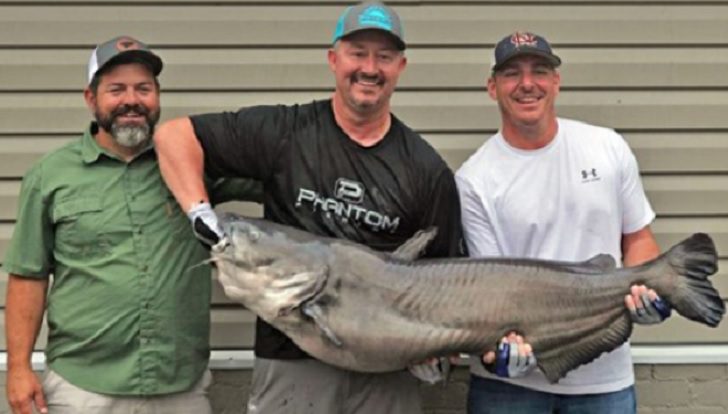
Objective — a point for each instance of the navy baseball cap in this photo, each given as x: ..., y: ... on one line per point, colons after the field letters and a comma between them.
x: 522, y: 43
x: 122, y: 49
x: 370, y: 15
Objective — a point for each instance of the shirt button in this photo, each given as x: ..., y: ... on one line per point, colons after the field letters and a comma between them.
x: 143, y: 268
x: 139, y: 231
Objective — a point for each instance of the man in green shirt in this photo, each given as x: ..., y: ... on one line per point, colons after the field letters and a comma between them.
x: 128, y: 311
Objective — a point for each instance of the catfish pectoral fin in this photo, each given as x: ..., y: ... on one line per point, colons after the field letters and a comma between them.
x: 446, y: 369
x: 413, y: 248
x: 314, y: 311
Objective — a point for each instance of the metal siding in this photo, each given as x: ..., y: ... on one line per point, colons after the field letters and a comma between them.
x: 653, y: 70
x: 306, y: 25
x: 291, y: 68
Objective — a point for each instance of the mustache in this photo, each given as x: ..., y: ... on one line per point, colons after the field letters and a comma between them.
x: 125, y: 109
x: 356, y: 77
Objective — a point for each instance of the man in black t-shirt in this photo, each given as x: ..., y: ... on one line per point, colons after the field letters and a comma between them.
x: 344, y: 167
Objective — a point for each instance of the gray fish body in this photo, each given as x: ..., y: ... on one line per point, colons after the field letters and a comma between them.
x: 362, y: 310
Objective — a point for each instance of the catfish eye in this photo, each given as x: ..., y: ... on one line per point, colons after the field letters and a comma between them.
x: 254, y: 236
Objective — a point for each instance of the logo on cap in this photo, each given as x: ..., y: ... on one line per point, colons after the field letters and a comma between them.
x: 126, y: 43
x: 520, y: 39
x: 375, y: 16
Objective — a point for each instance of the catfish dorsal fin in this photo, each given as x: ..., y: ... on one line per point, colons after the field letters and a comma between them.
x: 597, y: 265
x: 415, y: 246
x: 602, y: 262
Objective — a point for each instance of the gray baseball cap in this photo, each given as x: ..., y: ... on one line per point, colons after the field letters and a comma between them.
x: 122, y: 49
x: 370, y: 15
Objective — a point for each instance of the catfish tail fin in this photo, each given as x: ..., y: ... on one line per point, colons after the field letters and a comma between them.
x: 693, y: 296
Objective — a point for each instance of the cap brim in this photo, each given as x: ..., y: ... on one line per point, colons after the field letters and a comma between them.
x: 554, y: 60
x: 136, y: 56
x: 397, y: 40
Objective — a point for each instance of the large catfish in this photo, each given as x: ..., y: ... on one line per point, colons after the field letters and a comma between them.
x: 359, y: 309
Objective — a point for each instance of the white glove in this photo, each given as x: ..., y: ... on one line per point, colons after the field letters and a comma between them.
x: 646, y: 307
x: 431, y: 371
x: 513, y: 358
x: 206, y: 226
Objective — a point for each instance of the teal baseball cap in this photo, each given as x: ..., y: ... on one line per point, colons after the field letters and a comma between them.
x: 370, y: 15
x: 122, y: 49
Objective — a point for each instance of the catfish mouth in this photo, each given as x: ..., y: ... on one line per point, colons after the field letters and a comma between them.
x: 240, y: 250
x: 250, y: 247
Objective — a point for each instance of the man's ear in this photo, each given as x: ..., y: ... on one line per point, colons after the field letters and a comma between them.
x: 90, y: 97
x: 557, y: 81
x: 490, y: 84
x: 403, y: 63
x: 331, y: 57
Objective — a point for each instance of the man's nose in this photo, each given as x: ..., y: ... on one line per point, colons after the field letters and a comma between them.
x: 526, y: 79
x: 369, y: 65
x: 130, y: 97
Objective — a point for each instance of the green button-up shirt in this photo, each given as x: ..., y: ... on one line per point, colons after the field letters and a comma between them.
x: 128, y: 309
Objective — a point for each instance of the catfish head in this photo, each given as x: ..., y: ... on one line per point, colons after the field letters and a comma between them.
x: 269, y: 272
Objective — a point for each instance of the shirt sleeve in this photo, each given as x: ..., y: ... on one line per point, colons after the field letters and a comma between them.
x: 637, y: 211
x: 30, y: 253
x: 224, y: 190
x: 478, y: 231
x: 444, y: 214
x: 243, y: 144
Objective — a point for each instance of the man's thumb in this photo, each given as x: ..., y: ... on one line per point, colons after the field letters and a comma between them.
x: 40, y: 402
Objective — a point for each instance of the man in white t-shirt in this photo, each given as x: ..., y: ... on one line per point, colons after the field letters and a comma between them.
x: 557, y: 189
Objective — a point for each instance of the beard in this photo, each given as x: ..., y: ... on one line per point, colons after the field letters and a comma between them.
x: 130, y: 135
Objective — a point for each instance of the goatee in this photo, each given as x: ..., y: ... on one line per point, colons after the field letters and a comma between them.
x: 130, y: 135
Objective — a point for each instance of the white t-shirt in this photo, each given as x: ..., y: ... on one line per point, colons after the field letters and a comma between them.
x: 570, y: 200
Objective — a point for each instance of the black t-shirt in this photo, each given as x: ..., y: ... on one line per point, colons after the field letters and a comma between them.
x: 317, y: 179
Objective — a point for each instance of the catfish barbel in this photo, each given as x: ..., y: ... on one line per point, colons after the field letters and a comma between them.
x: 362, y: 310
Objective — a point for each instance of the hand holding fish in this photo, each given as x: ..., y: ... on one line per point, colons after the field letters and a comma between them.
x: 206, y: 227
x: 514, y: 358
x: 432, y: 370
x: 645, y: 306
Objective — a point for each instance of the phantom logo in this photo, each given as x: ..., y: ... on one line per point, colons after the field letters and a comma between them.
x: 350, y: 191
x: 344, y: 205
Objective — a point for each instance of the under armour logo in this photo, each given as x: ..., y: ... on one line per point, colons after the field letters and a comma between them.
x: 589, y: 175
x: 585, y: 174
